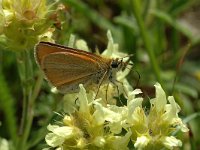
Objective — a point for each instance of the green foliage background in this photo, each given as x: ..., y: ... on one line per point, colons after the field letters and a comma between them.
x: 164, y: 37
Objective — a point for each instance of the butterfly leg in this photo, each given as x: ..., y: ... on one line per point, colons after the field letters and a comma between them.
x: 114, y: 83
x: 100, y: 83
x: 122, y: 87
x: 107, y: 93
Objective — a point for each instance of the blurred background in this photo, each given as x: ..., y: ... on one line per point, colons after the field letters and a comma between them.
x: 164, y: 37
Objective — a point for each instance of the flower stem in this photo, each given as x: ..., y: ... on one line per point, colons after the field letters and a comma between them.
x: 25, y: 70
x: 31, y: 104
x: 21, y: 70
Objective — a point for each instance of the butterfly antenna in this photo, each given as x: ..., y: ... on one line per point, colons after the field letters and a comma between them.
x: 137, y: 84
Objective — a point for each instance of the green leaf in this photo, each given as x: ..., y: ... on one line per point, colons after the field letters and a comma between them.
x: 7, y: 105
x: 177, y: 24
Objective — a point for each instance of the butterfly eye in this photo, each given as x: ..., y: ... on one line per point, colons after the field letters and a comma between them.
x: 114, y: 64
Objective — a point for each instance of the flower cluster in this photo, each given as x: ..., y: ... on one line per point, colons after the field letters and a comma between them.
x: 23, y: 23
x: 154, y: 130
x: 94, y: 124
x: 88, y: 127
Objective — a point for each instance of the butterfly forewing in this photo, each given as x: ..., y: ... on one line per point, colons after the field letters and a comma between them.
x: 73, y: 86
x: 45, y: 48
x: 66, y: 68
x: 61, y: 68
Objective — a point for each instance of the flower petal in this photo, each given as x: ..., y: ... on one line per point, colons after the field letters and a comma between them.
x: 160, y: 101
x: 82, y: 96
x: 54, y: 140
x: 81, y: 44
x: 52, y: 127
x: 65, y: 132
x: 141, y: 142
x: 104, y: 114
x: 171, y: 142
x: 99, y: 141
x: 4, y: 144
x: 121, y: 142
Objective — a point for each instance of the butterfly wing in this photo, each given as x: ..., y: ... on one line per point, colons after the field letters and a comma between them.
x: 73, y: 86
x: 66, y: 68
x: 45, y: 48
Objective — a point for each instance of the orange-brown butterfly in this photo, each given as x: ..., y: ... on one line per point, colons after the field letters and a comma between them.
x: 66, y: 68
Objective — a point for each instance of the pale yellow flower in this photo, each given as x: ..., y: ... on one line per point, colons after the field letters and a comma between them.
x: 141, y: 142
x: 153, y: 130
x: 94, y: 126
x: 58, y: 135
x: 82, y: 45
x: 170, y: 142
x: 4, y: 144
x: 24, y: 22
x: 88, y: 127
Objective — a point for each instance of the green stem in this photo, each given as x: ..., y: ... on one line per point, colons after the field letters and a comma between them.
x: 25, y: 70
x: 159, y: 31
x: 31, y: 105
x: 37, y: 87
x: 29, y: 90
x: 146, y: 9
x: 21, y: 71
x: 146, y: 39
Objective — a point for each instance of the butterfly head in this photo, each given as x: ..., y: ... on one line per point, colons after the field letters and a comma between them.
x: 118, y: 64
